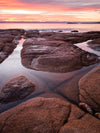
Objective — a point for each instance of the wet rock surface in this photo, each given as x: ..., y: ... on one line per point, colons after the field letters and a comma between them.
x: 89, y: 86
x: 54, y: 56
x: 7, y: 41
x: 16, y: 89
x: 95, y: 44
x: 7, y: 45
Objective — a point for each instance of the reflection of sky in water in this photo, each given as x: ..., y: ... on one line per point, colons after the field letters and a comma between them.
x: 44, y: 81
x: 85, y: 47
x: 12, y: 67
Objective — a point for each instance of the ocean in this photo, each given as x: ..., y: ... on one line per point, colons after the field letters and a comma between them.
x: 64, y: 27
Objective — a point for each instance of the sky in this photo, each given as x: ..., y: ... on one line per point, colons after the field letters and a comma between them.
x: 50, y: 10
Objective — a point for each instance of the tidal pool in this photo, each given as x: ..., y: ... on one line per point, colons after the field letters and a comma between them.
x: 46, y: 82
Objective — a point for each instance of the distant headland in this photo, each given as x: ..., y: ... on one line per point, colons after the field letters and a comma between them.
x: 98, y: 22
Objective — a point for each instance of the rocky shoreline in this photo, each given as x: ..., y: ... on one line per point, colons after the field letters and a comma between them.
x: 51, y: 112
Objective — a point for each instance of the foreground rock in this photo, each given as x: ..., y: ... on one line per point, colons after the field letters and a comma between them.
x: 54, y: 56
x: 16, y: 89
x: 89, y: 86
x: 85, y: 124
x: 38, y: 115
x: 51, y: 115
x: 95, y: 44
x: 7, y: 46
x: 80, y: 122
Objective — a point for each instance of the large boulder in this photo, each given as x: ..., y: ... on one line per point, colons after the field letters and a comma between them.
x: 16, y: 89
x: 51, y: 115
x: 37, y: 115
x: 54, y: 56
x: 89, y: 89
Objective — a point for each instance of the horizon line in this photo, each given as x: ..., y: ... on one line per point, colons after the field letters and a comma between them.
x: 68, y: 22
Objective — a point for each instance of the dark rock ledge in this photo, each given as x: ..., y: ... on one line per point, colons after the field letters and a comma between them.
x: 7, y: 41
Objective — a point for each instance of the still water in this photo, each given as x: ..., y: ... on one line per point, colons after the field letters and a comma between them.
x: 46, y: 82
x: 52, y: 26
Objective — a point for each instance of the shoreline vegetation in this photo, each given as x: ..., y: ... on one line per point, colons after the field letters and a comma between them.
x: 74, y: 105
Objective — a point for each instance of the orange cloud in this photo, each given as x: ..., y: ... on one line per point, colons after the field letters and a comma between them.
x: 15, y: 10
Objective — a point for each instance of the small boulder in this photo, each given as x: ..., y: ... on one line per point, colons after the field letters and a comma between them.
x: 16, y: 89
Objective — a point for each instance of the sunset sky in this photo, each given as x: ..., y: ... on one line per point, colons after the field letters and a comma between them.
x: 49, y: 10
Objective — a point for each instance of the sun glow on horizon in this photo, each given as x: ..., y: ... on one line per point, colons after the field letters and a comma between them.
x: 20, y: 12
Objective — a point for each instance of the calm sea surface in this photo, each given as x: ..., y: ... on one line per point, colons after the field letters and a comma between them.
x: 51, y: 26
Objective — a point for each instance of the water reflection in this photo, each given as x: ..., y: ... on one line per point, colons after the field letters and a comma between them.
x: 12, y: 67
x: 85, y: 47
x: 45, y: 81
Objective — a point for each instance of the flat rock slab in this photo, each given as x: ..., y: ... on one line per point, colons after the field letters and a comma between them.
x: 16, y: 89
x: 37, y: 115
x: 89, y: 87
